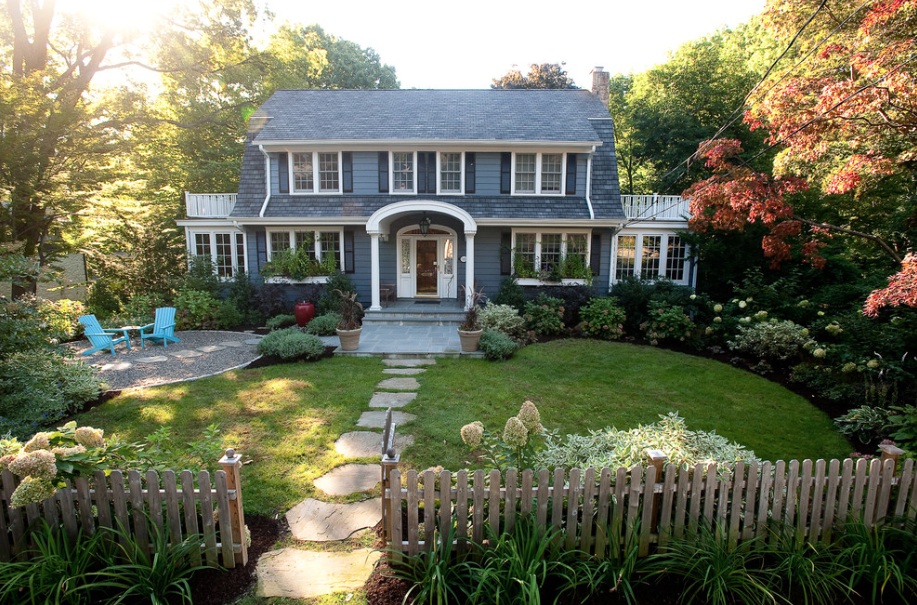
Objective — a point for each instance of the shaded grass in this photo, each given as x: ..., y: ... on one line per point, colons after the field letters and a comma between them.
x: 283, y: 418
x: 580, y: 385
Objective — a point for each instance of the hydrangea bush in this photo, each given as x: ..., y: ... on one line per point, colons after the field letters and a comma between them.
x: 545, y: 315
x: 503, y: 318
x: 773, y: 339
x: 667, y: 322
x: 515, y: 446
x: 602, y: 318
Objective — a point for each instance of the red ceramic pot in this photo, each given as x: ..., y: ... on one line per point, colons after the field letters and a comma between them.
x: 304, y: 312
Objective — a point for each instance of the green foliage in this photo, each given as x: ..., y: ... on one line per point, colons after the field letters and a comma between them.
x: 61, y: 317
x: 503, y: 318
x: 881, y: 559
x: 439, y: 574
x: 162, y: 451
x: 39, y: 387
x: 497, y: 346
x: 713, y: 571
x: 545, y: 315
x: 228, y: 315
x: 22, y: 327
x: 522, y: 436
x: 196, y: 310
x: 298, y: 264
x: 667, y: 323
x: 242, y: 293
x: 292, y: 343
x: 602, y: 318
x: 867, y: 424
x: 324, y: 325
x: 201, y: 275
x: 350, y: 309
x: 269, y: 300
x: 613, y: 448
x: 633, y: 295
x: 804, y: 572
x: 540, y: 76
x: 278, y: 322
x: 902, y: 422
x: 510, y: 293
x: 780, y: 340
x: 141, y: 310
x: 329, y: 301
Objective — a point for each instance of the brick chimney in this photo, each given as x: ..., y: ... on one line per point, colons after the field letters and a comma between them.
x: 600, y: 83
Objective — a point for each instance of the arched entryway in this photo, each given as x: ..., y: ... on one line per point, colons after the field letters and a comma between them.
x: 432, y: 276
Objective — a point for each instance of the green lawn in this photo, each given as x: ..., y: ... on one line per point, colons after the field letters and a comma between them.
x: 286, y: 418
x: 585, y: 384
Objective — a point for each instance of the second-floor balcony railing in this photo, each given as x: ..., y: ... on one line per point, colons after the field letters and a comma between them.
x: 209, y: 205
x: 655, y: 207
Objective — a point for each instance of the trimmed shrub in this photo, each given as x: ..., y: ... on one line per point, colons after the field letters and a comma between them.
x: 667, y: 323
x: 779, y: 340
x: 279, y: 322
x: 571, y: 297
x: 270, y: 300
x: 324, y: 325
x: 510, y: 293
x: 502, y: 318
x: 292, y: 343
x: 602, y: 318
x: 329, y: 301
x: 229, y: 315
x: 545, y: 315
x: 497, y: 346
x: 40, y: 387
x: 196, y: 309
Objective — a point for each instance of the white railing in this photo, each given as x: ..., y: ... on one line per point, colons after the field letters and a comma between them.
x: 655, y: 207
x: 209, y: 205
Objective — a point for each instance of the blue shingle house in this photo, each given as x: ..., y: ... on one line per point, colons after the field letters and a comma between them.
x: 416, y: 193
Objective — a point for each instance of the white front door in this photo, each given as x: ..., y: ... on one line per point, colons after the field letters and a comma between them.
x: 426, y: 265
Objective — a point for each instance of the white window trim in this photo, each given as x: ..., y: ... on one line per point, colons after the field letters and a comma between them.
x: 439, y: 174
x: 538, y: 159
x: 564, y: 233
x: 663, y: 256
x: 316, y: 240
x: 316, y: 175
x: 391, y: 173
x: 212, y: 244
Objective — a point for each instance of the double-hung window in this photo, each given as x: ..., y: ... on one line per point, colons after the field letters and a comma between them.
x: 538, y: 173
x: 450, y: 172
x: 225, y: 251
x: 652, y: 256
x: 321, y: 246
x: 402, y: 172
x: 555, y: 254
x: 315, y: 172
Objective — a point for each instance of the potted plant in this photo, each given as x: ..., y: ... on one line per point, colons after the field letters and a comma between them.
x: 350, y: 327
x: 470, y: 329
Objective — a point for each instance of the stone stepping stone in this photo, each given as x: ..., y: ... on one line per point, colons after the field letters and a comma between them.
x: 408, y: 363
x: 211, y: 349
x: 318, y: 521
x: 404, y: 371
x: 117, y: 366
x: 186, y: 354
x: 376, y: 420
x: 303, y: 574
x: 252, y: 341
x: 365, y: 444
x: 156, y: 359
x: 391, y: 400
x: 350, y: 479
x: 232, y: 343
x: 399, y: 384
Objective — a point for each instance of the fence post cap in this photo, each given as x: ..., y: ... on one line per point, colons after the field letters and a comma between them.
x: 655, y: 454
x: 891, y: 450
x: 230, y: 458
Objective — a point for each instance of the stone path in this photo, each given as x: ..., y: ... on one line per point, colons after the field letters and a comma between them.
x: 300, y: 574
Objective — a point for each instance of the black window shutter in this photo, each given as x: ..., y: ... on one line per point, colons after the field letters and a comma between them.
x: 506, y: 159
x: 383, y: 172
x: 431, y: 172
x: 425, y: 162
x: 571, y: 174
x: 348, y: 252
x: 347, y: 160
x: 469, y: 172
x: 595, y: 254
x: 283, y: 172
x: 506, y: 253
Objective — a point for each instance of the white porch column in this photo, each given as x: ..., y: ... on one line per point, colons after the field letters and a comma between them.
x: 374, y: 262
x: 469, y: 268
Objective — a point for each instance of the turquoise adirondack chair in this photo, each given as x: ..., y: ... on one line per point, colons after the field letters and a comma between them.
x: 162, y: 329
x: 101, y: 338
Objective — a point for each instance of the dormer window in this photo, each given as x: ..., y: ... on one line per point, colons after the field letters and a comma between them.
x: 538, y: 173
x: 315, y: 172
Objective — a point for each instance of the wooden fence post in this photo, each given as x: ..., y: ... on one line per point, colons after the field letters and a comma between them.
x: 232, y: 465
x: 655, y: 458
x: 389, y: 463
x: 891, y: 452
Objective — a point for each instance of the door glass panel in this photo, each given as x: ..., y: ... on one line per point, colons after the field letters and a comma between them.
x: 448, y: 256
x: 405, y: 255
x: 426, y: 267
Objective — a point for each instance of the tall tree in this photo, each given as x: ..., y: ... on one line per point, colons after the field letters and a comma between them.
x: 544, y: 75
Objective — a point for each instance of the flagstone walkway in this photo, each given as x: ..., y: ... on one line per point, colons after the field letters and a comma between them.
x: 297, y: 573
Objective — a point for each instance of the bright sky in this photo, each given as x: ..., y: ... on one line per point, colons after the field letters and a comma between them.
x: 437, y: 44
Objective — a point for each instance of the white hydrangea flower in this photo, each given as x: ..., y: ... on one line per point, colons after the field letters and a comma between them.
x: 38, y: 442
x: 31, y: 491
x: 89, y: 437
x: 530, y: 417
x: 472, y: 433
x: 515, y: 434
x: 40, y: 463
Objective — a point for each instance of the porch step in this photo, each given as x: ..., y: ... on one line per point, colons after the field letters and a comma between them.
x: 399, y: 318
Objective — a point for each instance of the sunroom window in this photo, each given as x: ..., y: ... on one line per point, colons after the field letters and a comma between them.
x: 652, y: 256
x: 225, y: 250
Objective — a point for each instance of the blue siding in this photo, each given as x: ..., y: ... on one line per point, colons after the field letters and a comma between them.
x: 487, y: 177
x: 487, y: 260
x: 365, y: 172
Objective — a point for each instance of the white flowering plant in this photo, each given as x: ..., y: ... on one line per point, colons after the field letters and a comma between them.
x: 50, y: 458
x: 515, y: 447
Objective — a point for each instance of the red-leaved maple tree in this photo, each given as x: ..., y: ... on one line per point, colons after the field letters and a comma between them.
x: 901, y: 289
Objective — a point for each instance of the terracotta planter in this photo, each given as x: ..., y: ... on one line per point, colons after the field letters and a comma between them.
x: 304, y: 313
x: 470, y: 340
x: 350, y: 339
